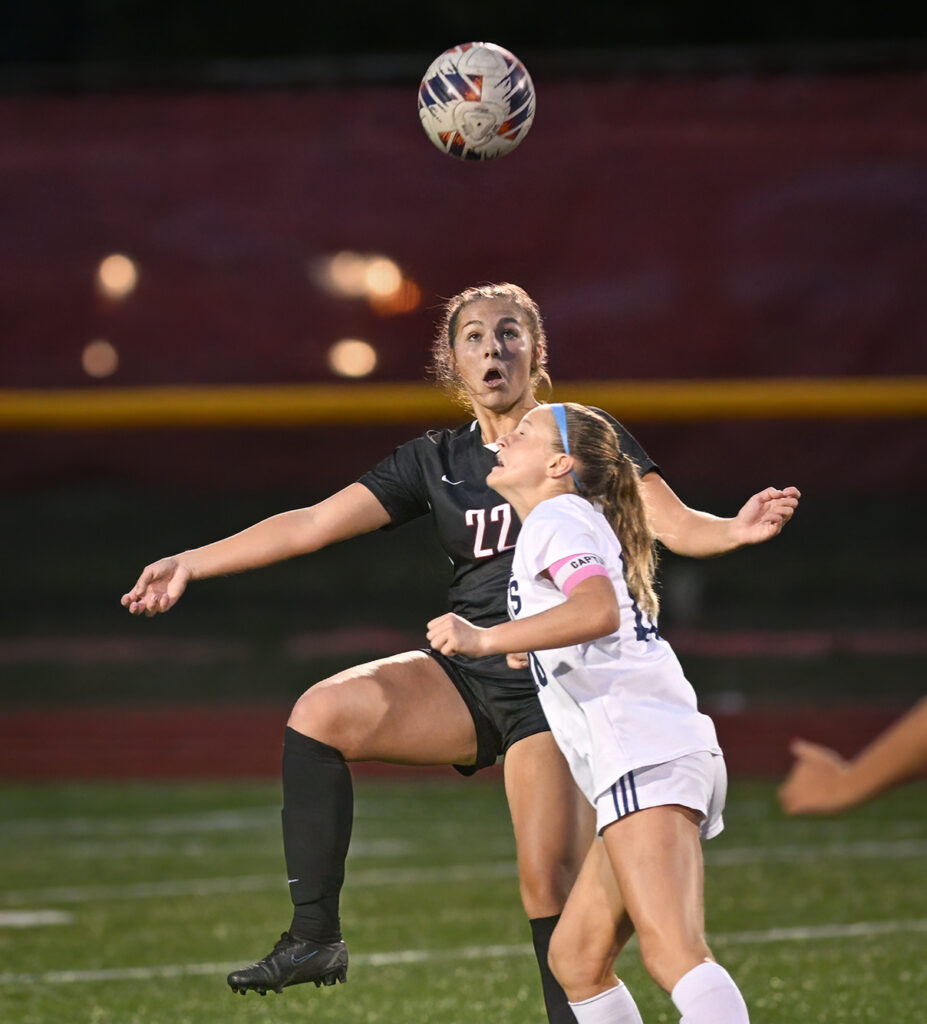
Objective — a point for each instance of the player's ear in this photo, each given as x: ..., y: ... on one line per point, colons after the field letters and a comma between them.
x: 559, y: 465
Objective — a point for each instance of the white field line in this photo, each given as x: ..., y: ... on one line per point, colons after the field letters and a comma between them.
x: 809, y: 933
x: 858, y: 929
x: 862, y: 850
x: 244, y: 820
x: 33, y: 918
x: 173, y: 824
x: 200, y: 846
x: 198, y: 822
x: 139, y: 849
x: 142, y: 890
x: 250, y: 883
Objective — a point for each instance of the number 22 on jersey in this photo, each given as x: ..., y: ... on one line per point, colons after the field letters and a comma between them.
x: 476, y: 517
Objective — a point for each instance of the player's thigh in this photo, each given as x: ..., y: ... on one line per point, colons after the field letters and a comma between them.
x: 592, y: 930
x: 656, y: 857
x: 553, y: 823
x: 402, y: 709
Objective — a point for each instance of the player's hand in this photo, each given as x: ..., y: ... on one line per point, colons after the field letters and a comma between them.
x: 450, y: 634
x: 817, y: 782
x: 517, y: 661
x: 158, y: 589
x: 764, y: 515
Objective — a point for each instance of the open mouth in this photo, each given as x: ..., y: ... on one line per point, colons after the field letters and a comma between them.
x: 493, y: 378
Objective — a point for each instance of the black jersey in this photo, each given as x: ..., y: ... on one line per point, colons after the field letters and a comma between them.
x: 443, y: 473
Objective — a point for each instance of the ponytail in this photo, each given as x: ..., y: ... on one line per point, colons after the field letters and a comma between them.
x: 609, y: 477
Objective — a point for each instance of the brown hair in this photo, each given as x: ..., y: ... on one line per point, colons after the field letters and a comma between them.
x: 442, y: 368
x: 608, y: 476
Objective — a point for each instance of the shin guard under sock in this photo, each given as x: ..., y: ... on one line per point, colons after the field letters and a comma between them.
x: 614, y: 1006
x: 707, y: 995
x: 318, y: 812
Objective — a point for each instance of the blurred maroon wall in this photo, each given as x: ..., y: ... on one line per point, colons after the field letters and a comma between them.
x: 698, y: 227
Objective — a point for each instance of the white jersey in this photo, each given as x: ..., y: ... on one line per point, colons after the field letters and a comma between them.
x: 620, y: 702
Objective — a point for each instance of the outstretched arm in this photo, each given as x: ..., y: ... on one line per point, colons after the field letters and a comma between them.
x: 686, y: 531
x: 590, y: 611
x: 352, y: 511
x: 822, y: 782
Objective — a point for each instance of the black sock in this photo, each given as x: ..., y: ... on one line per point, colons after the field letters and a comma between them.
x: 318, y: 811
x: 558, y: 1009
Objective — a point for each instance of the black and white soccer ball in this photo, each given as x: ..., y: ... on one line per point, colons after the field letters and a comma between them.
x: 476, y: 101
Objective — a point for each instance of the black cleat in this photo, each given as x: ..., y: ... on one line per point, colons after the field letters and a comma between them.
x: 292, y: 962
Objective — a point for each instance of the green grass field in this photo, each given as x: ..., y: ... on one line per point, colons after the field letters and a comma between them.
x: 158, y: 890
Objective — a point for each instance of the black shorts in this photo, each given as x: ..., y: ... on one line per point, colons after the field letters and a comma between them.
x: 503, y: 713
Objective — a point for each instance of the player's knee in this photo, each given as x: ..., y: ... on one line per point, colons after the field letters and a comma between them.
x: 560, y: 960
x: 545, y: 887
x: 546, y: 875
x: 319, y: 714
x: 579, y: 965
x: 668, y: 955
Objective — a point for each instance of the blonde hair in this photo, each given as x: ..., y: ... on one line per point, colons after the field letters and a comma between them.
x: 442, y: 349
x: 608, y: 476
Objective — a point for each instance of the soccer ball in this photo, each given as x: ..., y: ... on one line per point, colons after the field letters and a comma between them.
x: 476, y: 101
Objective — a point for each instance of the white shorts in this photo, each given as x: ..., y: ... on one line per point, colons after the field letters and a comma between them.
x: 697, y: 781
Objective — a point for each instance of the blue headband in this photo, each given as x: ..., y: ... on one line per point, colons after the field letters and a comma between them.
x: 559, y: 411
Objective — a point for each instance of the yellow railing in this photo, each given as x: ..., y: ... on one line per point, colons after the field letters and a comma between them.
x: 289, y: 405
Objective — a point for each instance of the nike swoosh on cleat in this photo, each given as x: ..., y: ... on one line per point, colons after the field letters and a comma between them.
x: 453, y: 483
x: 303, y: 959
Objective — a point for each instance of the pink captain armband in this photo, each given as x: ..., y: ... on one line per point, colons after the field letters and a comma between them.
x: 567, y: 572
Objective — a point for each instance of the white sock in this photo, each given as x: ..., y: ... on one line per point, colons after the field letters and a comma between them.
x: 707, y: 995
x: 614, y: 1006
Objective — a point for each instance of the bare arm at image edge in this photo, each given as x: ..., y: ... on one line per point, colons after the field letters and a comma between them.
x: 822, y: 782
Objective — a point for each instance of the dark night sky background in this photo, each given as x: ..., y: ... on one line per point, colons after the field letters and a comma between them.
x: 160, y: 33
